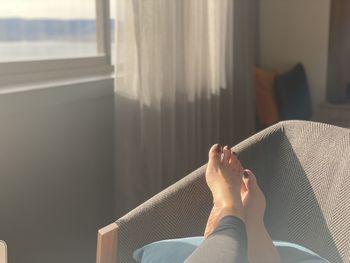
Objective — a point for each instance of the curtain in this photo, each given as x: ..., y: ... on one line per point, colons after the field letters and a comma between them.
x: 178, y: 88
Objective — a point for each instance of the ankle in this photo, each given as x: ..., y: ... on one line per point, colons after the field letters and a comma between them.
x: 235, y: 211
x: 255, y: 224
x: 228, y: 198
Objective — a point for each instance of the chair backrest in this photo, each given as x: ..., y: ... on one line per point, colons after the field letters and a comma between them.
x: 304, y: 170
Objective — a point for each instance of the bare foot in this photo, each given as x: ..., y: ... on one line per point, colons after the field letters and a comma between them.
x: 224, y: 178
x: 260, y: 246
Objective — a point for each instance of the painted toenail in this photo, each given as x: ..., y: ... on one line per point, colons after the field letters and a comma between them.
x: 218, y: 148
x: 246, y: 174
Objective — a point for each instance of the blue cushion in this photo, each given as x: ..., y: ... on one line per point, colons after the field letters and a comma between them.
x: 177, y: 250
x: 171, y: 251
x: 293, y: 95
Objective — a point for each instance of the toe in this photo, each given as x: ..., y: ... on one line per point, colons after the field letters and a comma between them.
x: 235, y: 163
x: 215, y: 153
x: 227, y: 155
x: 249, y: 179
x: 244, y: 189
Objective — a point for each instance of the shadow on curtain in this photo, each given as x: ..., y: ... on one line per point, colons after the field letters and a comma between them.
x: 185, y: 81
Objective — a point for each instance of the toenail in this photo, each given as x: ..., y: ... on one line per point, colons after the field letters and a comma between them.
x: 218, y: 148
x: 246, y: 174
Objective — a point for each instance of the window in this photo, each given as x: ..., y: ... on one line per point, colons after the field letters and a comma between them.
x: 39, y: 29
x: 71, y: 38
x: 113, y: 12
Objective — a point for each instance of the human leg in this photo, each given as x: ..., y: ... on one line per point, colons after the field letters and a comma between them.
x: 260, y: 246
x: 227, y: 239
x: 226, y: 244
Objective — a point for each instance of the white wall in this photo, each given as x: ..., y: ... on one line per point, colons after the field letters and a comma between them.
x: 294, y: 31
x: 56, y: 171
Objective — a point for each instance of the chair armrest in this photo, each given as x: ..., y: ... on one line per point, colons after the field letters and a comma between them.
x: 178, y: 211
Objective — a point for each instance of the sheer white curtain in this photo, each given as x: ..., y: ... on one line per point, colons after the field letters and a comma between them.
x: 169, y: 47
x: 174, y: 91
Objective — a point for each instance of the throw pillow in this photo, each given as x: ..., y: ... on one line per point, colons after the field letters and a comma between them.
x: 293, y: 95
x: 266, y: 105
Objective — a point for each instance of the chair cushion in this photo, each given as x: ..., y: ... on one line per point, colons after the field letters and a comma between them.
x: 292, y: 94
x: 266, y: 105
x: 177, y: 250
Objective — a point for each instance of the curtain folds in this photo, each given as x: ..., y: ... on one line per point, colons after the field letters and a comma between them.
x: 172, y: 47
x: 179, y: 88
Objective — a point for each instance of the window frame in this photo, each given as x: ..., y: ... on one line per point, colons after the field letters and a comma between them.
x: 30, y: 71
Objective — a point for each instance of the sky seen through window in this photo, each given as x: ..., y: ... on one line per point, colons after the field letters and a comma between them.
x: 54, y: 9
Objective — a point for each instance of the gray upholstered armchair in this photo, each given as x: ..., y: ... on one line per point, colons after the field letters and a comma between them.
x: 304, y: 171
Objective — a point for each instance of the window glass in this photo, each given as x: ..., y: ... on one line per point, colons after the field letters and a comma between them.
x: 47, y: 29
x: 113, y: 10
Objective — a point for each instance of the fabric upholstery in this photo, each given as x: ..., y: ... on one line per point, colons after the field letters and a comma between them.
x: 304, y: 171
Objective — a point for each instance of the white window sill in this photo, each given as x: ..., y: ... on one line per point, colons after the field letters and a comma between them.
x: 21, y: 75
x: 54, y: 84
x: 17, y: 99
